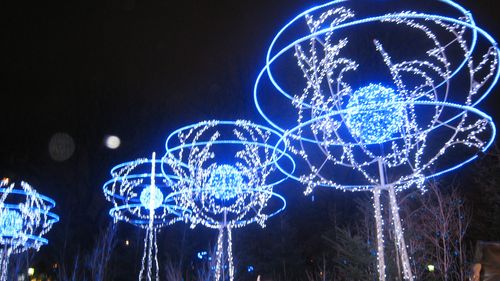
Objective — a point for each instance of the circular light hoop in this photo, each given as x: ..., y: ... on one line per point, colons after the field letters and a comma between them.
x: 122, y: 213
x: 46, y: 200
x: 278, y: 151
x: 171, y: 148
x: 434, y: 174
x: 237, y: 223
x: 108, y: 186
x: 270, y: 59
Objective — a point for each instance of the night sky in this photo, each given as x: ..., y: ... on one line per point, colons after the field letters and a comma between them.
x: 135, y: 69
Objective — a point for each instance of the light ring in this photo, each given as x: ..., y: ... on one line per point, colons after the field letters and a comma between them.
x: 281, y: 152
x: 432, y: 175
x: 239, y: 223
x: 171, y: 147
x: 475, y: 28
x: 195, y: 151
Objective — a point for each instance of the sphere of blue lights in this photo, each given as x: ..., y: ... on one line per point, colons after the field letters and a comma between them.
x: 11, y: 223
x: 151, y: 197
x: 225, y: 182
x: 374, y: 114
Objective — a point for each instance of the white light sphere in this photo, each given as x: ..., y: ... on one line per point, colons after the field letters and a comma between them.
x: 112, y: 142
x: 151, y: 197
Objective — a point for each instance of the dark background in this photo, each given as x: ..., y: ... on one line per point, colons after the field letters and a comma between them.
x: 138, y: 70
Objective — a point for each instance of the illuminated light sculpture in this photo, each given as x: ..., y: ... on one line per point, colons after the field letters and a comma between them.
x: 25, y: 217
x: 226, y: 175
x: 138, y: 194
x: 389, y: 97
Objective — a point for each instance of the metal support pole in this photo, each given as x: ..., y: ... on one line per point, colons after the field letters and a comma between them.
x: 405, y: 260
x: 224, y: 252
x: 380, y: 234
x: 396, y: 220
x: 4, y: 263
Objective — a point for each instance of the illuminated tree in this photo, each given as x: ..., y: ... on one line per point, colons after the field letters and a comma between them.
x: 389, y: 97
x: 226, y: 175
x: 25, y: 217
x: 138, y: 194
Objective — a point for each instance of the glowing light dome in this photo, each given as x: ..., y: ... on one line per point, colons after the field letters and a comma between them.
x: 151, y: 197
x: 373, y: 114
x: 11, y: 223
x: 226, y: 182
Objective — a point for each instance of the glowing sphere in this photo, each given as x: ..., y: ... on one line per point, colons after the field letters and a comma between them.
x: 373, y: 114
x: 225, y: 182
x: 151, y: 197
x: 11, y: 223
x: 112, y: 142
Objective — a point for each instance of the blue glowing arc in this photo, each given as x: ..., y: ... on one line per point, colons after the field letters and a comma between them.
x: 421, y: 103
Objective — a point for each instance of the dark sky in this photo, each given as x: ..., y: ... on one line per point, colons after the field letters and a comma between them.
x: 136, y: 69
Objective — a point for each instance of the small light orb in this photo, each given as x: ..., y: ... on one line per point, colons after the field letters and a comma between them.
x: 225, y: 182
x: 11, y: 223
x: 112, y: 142
x: 61, y: 147
x: 431, y: 267
x: 151, y: 197
x: 373, y: 114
